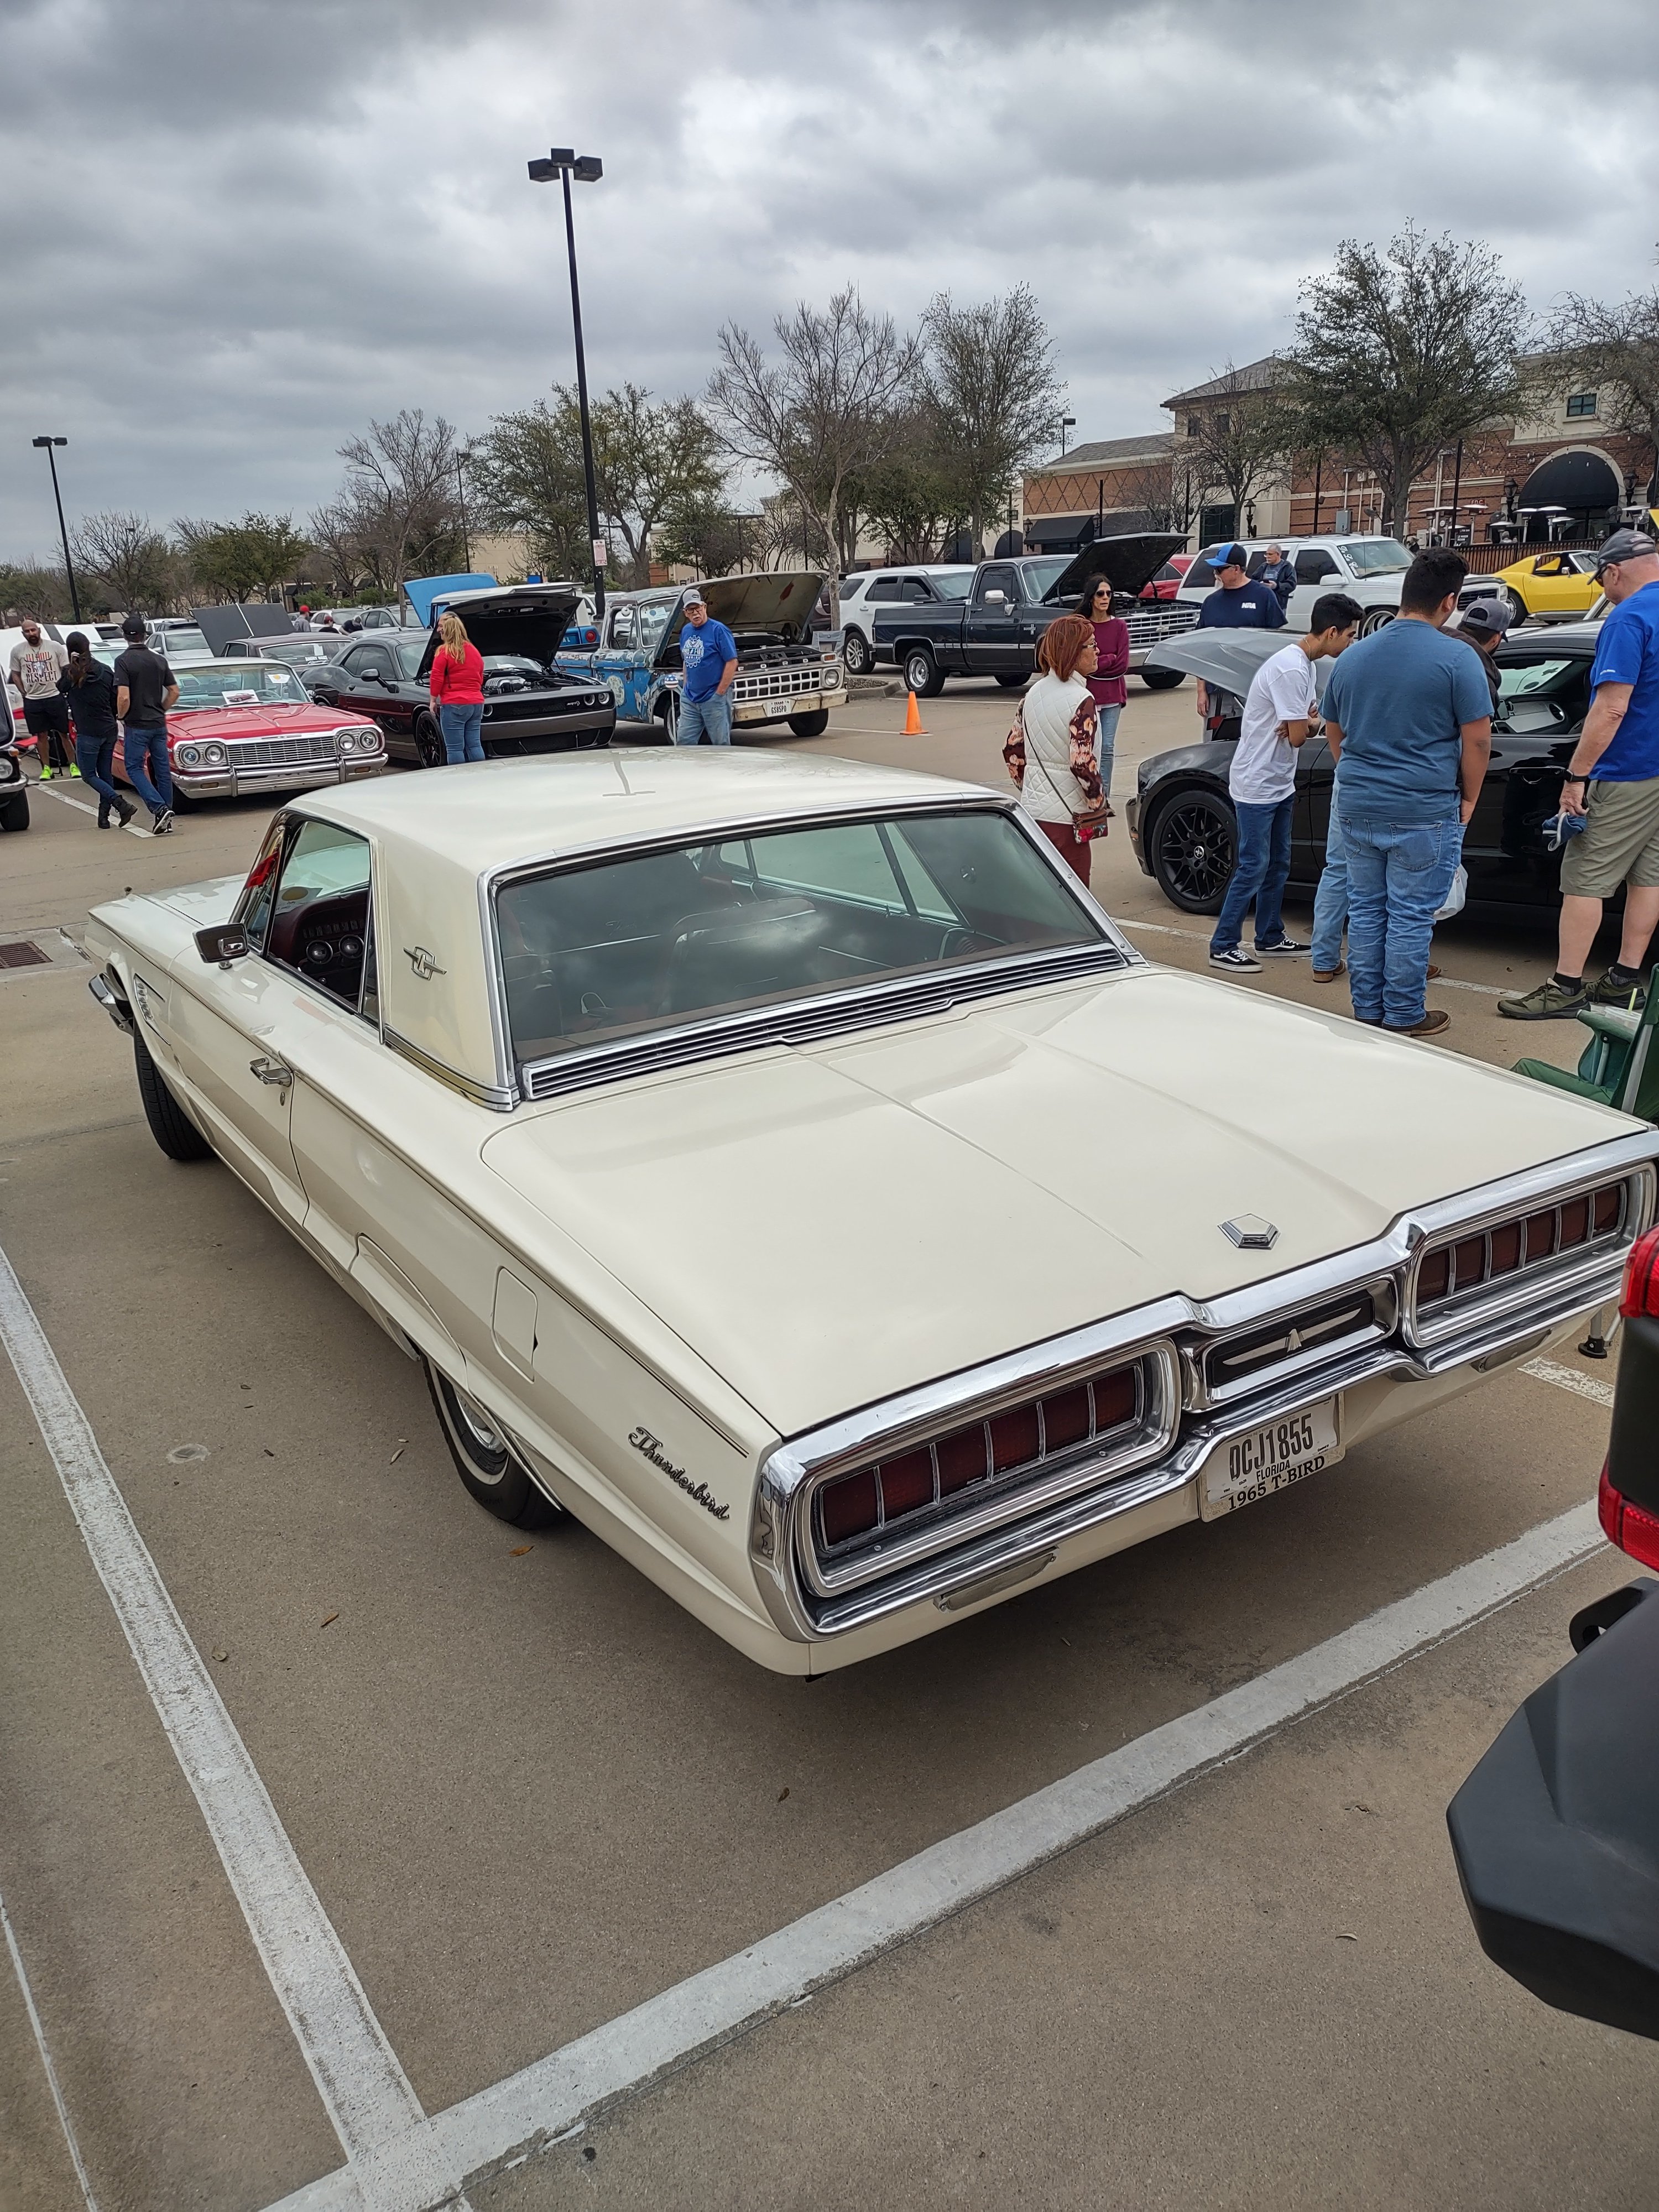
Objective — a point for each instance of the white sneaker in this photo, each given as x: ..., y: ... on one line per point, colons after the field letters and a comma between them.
x: 1236, y: 963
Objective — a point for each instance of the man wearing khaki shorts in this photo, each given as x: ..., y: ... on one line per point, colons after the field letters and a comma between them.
x: 1613, y: 781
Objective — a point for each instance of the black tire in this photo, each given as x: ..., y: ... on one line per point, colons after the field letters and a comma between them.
x: 810, y: 726
x: 856, y: 653
x: 922, y: 673
x: 487, y: 1465
x: 1518, y: 609
x: 1012, y: 680
x: 430, y: 750
x: 182, y: 801
x: 15, y: 813
x: 1192, y: 841
x: 1163, y: 679
x: 171, y: 1126
x: 667, y: 716
x: 1378, y: 618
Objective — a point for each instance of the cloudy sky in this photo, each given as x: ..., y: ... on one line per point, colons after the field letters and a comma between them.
x: 236, y: 229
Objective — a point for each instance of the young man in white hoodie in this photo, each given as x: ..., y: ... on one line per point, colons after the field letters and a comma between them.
x: 1280, y: 711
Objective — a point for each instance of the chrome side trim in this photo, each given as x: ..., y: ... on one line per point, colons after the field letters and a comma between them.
x: 496, y: 1098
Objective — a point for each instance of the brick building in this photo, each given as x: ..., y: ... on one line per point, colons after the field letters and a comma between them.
x: 1561, y: 471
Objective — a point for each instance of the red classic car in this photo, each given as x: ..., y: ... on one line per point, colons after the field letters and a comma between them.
x: 249, y: 726
x: 1167, y: 581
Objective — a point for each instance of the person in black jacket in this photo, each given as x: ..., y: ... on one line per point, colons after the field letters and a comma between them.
x: 89, y: 687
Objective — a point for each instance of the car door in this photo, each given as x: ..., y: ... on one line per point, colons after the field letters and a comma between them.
x: 1316, y: 573
x: 992, y: 645
x: 333, y: 682
x: 616, y: 663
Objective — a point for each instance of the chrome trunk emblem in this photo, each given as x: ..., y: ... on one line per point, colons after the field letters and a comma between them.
x: 1251, y: 1232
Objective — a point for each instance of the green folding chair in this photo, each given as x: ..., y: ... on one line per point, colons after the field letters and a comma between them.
x: 1620, y: 1066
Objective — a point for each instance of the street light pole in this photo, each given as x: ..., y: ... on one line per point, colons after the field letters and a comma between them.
x: 563, y: 162
x: 461, y: 459
x: 1066, y: 422
x: 62, y: 532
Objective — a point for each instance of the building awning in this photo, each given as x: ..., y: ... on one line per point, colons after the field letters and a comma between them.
x: 1059, y: 533
x: 1581, y: 481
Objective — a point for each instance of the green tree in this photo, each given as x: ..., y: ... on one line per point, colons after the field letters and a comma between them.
x: 232, y: 560
x: 1399, y: 354
x: 916, y: 501
x: 988, y: 383
x: 34, y: 587
x: 526, y: 474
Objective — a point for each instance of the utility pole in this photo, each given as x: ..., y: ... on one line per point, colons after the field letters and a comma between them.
x: 563, y: 162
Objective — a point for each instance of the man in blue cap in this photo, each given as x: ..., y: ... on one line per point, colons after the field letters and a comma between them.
x: 1239, y: 601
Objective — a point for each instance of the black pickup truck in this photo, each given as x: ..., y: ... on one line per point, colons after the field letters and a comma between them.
x: 994, y: 630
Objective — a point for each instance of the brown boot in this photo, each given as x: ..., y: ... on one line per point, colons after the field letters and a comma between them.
x: 1430, y: 1025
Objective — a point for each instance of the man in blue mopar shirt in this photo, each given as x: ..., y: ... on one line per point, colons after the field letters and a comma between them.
x: 709, y: 658
x: 1238, y: 601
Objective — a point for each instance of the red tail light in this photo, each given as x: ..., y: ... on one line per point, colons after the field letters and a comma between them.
x: 1642, y: 1279
x: 1630, y: 1527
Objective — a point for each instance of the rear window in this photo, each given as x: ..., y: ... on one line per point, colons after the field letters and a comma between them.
x: 659, y: 940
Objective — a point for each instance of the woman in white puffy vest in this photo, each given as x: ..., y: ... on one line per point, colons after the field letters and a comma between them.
x: 1052, y: 750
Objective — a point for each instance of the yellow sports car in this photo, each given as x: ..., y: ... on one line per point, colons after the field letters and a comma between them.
x: 1549, y: 585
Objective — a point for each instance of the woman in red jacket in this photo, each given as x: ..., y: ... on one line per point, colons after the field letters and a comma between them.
x: 457, y: 686
x: 1106, y: 686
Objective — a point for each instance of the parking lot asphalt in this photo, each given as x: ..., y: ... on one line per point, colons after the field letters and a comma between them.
x: 530, y: 1794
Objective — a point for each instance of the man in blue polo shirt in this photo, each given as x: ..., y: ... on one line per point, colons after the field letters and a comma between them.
x: 1408, y: 720
x: 1612, y: 782
x: 708, y: 654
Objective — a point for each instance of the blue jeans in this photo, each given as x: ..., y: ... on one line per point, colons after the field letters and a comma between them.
x: 1106, y: 745
x: 145, y: 752
x: 1399, y: 874
x: 1331, y: 900
x: 462, y: 729
x: 95, y: 758
x: 1264, y: 863
x: 700, y: 718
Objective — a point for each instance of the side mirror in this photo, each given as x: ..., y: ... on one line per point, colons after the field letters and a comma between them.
x: 223, y: 943
x: 996, y: 598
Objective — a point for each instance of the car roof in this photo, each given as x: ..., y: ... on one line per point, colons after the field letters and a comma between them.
x: 1557, y: 637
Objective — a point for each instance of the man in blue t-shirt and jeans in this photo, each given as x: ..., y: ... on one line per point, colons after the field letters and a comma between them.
x: 708, y: 655
x: 1612, y: 782
x: 1408, y: 720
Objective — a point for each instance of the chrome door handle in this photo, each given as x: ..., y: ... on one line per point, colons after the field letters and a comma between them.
x: 270, y: 1070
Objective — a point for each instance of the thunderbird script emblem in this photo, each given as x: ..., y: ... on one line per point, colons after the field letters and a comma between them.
x: 650, y: 1447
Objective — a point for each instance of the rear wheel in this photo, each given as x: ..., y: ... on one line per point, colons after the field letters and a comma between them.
x: 430, y: 749
x: 1192, y: 844
x: 484, y: 1459
x: 1163, y: 679
x: 1518, y: 607
x: 171, y: 1126
x: 855, y: 652
x: 667, y: 715
x: 922, y: 673
x: 810, y: 726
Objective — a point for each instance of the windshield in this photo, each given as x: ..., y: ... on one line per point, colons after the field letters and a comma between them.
x: 1543, y: 697
x: 598, y: 954
x: 654, y: 621
x: 1040, y: 575
x: 226, y: 683
x: 185, y: 640
x: 409, y: 657
x: 1374, y: 557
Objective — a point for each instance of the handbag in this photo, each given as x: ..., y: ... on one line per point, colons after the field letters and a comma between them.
x: 1456, y: 896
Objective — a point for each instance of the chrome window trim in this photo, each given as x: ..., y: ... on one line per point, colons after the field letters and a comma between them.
x: 496, y: 1096
x: 542, y: 1079
x: 791, y: 1471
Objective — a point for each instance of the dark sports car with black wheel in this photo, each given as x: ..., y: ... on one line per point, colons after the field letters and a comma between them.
x: 1183, y: 829
x: 531, y: 705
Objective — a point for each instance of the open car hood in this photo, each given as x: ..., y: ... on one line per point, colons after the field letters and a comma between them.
x: 530, y: 619
x: 1128, y: 562
x: 770, y: 600
x: 1229, y: 658
x: 223, y: 627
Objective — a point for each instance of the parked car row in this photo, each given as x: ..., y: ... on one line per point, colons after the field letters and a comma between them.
x: 1369, y: 569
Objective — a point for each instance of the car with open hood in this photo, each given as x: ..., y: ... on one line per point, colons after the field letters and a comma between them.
x: 1183, y: 828
x: 697, y: 1120
x: 242, y: 727
x: 783, y: 676
x: 992, y: 628
x: 532, y: 704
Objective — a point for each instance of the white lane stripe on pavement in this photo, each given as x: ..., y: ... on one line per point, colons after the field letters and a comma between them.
x: 527, y: 2111
x: 83, y: 806
x: 1569, y: 1378
x: 42, y: 2046
x: 373, y: 2108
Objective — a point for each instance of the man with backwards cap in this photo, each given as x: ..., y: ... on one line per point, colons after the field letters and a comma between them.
x: 1613, y: 781
x: 708, y: 654
x: 1485, y: 625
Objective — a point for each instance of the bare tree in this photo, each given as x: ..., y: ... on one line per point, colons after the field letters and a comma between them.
x: 1163, y: 494
x: 1246, y: 429
x: 1615, y: 348
x: 34, y: 587
x: 131, y: 562
x: 398, y: 509
x: 829, y: 408
x: 991, y: 389
x: 1399, y: 354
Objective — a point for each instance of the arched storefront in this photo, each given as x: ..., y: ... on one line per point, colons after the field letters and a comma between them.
x: 1582, y: 482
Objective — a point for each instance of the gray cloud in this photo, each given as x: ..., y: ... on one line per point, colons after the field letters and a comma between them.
x: 235, y: 231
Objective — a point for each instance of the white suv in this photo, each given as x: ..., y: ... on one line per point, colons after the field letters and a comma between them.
x: 1369, y: 569
x: 922, y: 584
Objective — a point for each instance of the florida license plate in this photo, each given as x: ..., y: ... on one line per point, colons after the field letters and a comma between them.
x: 1246, y: 1469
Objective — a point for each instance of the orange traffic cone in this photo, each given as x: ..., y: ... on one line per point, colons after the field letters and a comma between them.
x: 913, y: 718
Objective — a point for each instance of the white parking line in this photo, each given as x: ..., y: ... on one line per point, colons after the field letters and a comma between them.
x: 42, y: 2046
x: 395, y: 2167
x: 1569, y: 1378
x: 84, y: 806
x: 529, y: 2111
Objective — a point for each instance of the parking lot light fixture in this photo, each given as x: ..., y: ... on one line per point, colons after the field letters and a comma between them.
x: 69, y: 566
x: 563, y: 162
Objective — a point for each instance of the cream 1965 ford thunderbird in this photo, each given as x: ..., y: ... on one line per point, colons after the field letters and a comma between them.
x: 781, y: 1166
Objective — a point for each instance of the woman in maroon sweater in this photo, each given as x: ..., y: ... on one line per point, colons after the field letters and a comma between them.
x: 456, y: 687
x: 1106, y: 686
